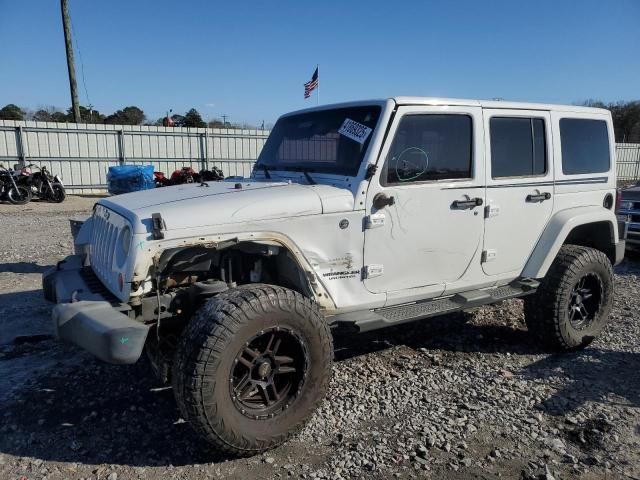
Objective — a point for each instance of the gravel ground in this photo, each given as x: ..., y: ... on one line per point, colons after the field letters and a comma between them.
x: 457, y: 397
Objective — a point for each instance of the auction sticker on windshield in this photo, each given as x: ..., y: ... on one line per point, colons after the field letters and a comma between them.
x: 354, y: 130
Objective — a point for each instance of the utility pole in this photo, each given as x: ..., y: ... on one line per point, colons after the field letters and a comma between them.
x: 224, y: 120
x: 70, y: 66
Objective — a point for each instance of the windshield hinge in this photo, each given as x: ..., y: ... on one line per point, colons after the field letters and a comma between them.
x: 371, y: 170
x: 157, y: 226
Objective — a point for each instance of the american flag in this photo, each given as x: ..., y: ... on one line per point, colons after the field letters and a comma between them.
x: 311, y: 85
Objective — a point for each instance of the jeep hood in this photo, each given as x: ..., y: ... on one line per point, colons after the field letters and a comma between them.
x: 192, y: 205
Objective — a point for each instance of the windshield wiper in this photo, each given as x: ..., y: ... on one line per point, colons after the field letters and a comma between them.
x: 308, y: 177
x: 265, y: 169
x: 304, y: 171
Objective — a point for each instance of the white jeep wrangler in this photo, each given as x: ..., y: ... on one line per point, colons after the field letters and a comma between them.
x: 361, y: 215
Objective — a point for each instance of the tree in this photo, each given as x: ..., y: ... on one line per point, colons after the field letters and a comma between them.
x: 86, y: 115
x: 59, y: 117
x: 11, y: 112
x: 625, y: 116
x: 594, y: 103
x: 131, y: 115
x: 49, y: 114
x: 42, y: 116
x: 193, y: 119
x: 216, y: 123
x: 178, y: 120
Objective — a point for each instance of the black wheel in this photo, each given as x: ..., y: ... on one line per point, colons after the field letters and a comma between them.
x: 57, y: 193
x: 19, y: 195
x: 251, y: 367
x: 573, y: 303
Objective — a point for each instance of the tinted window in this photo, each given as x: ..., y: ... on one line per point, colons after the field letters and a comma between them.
x: 518, y: 147
x: 585, y: 146
x: 312, y: 141
x: 430, y: 147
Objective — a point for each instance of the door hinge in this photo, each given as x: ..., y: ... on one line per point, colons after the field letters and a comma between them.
x: 374, y: 220
x: 489, y: 256
x: 373, y: 270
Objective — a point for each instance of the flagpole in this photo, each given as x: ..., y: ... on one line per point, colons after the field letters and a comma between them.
x: 318, y: 92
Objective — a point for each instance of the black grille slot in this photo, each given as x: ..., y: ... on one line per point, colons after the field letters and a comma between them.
x: 95, y: 285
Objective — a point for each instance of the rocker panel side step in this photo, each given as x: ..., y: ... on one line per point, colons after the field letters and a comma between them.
x: 386, y: 316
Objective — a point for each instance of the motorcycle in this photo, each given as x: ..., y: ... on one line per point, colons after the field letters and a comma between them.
x: 42, y: 184
x: 10, y: 190
x: 160, y: 179
x: 188, y: 175
x: 184, y: 175
x: 213, y: 175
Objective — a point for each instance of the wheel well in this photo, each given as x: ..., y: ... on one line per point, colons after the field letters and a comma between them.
x: 598, y: 235
x: 237, y: 264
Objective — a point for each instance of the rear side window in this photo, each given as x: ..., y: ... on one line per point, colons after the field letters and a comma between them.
x: 518, y: 147
x: 585, y: 146
x: 430, y: 147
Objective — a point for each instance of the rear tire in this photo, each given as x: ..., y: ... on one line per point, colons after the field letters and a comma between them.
x: 19, y: 195
x: 574, y: 300
x: 251, y: 366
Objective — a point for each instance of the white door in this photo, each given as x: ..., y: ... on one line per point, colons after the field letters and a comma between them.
x: 425, y: 207
x: 520, y: 187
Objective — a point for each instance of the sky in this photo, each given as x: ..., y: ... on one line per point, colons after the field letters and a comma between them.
x: 249, y: 60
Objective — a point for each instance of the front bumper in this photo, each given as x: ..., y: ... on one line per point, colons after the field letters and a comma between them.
x: 90, y: 318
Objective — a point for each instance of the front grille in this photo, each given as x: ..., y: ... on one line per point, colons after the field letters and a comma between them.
x: 95, y: 285
x: 103, y: 245
x: 107, y: 226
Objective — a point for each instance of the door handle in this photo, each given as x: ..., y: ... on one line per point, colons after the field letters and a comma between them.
x: 538, y: 197
x: 381, y: 200
x: 465, y: 204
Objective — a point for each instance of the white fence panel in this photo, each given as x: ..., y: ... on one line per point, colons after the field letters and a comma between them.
x: 628, y: 161
x: 82, y: 153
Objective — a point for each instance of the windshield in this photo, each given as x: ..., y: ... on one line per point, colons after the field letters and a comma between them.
x: 327, y: 141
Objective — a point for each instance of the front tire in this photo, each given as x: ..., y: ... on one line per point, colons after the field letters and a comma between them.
x: 251, y: 367
x: 574, y: 300
x: 19, y: 195
x: 57, y: 193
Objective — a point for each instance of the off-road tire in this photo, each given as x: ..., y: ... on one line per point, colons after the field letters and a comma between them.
x: 204, y: 362
x: 547, y: 313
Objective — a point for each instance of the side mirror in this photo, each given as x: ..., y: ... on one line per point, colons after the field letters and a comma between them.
x: 382, y: 200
